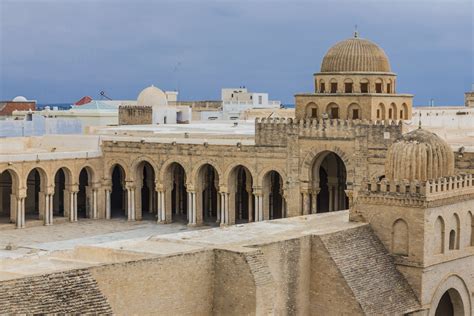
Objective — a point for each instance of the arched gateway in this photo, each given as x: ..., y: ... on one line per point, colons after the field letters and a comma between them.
x: 328, y: 181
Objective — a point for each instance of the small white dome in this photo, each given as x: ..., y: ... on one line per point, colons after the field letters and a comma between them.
x: 152, y: 96
x: 19, y: 99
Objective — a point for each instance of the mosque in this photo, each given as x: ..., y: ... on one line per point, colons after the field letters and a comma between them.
x: 374, y: 216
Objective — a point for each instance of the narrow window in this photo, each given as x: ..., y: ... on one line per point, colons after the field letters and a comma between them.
x: 389, y: 113
x: 364, y: 87
x: 378, y: 88
x: 389, y: 88
x: 348, y: 87
x: 355, y: 114
x: 401, y: 114
x: 334, y: 113
x: 333, y: 87
x: 322, y: 87
x: 378, y: 113
x: 314, y: 112
x: 452, y: 239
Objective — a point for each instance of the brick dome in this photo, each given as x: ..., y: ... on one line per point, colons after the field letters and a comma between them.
x: 355, y: 55
x: 419, y: 155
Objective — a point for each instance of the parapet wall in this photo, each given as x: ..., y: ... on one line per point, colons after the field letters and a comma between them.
x: 276, y: 131
x: 415, y: 192
x: 135, y: 115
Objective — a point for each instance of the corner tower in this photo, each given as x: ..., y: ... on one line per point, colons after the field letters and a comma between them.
x: 423, y: 213
x: 355, y: 82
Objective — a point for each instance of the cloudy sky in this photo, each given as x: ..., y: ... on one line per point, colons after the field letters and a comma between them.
x: 58, y: 51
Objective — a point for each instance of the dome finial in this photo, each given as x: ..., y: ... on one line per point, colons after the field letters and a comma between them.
x: 356, y: 33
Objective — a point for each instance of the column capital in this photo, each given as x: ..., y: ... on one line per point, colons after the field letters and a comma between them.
x: 49, y: 190
x: 222, y: 189
x: 72, y: 187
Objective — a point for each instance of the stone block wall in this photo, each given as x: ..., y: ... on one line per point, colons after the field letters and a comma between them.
x: 135, y: 115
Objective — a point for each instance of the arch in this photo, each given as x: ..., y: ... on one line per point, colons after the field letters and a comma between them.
x: 438, y: 241
x: 62, y: 181
x: 110, y: 166
x: 207, y: 194
x: 470, y: 224
x: 457, y: 232
x: 333, y: 110
x: 392, y: 111
x: 241, y: 203
x: 9, y: 186
x: 364, y: 85
x: 400, y: 237
x: 312, y: 110
x: 404, y: 112
x: 140, y: 160
x: 84, y: 194
x: 380, y: 112
x: 92, y: 175
x: 198, y: 165
x: 145, y: 202
x: 354, y: 112
x: 348, y: 85
x: 322, y: 86
x: 318, y: 154
x: 175, y: 184
x: 333, y: 88
x: 36, y: 191
x: 379, y: 85
x: 169, y: 162
x: 328, y: 183
x: 273, y: 200
x: 263, y: 172
x: 231, y: 168
x: 389, y: 86
x: 118, y: 198
x: 452, y: 297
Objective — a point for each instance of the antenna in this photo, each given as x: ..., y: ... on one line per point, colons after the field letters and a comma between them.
x: 103, y: 95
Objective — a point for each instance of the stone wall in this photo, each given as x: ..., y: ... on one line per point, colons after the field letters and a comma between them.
x: 135, y: 115
x: 173, y: 285
x: 69, y: 292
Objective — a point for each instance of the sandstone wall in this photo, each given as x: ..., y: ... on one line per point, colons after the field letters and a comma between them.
x: 171, y: 285
x: 135, y: 115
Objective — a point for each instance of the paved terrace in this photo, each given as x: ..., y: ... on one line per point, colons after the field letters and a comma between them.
x: 40, y: 250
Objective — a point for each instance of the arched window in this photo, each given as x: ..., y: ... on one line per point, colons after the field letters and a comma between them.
x: 311, y: 110
x: 378, y: 86
x: 405, y: 112
x: 439, y: 236
x: 457, y: 230
x: 354, y: 112
x: 380, y: 112
x: 322, y: 86
x: 333, y: 110
x: 333, y: 86
x: 364, y: 86
x: 389, y: 86
x: 452, y: 239
x: 400, y: 237
x: 348, y: 86
x: 392, y: 112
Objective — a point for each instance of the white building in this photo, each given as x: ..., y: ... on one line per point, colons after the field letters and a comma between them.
x: 237, y: 100
x: 39, y: 125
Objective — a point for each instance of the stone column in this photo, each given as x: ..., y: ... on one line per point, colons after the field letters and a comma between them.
x: 219, y: 207
x: 108, y: 211
x: 20, y: 212
x: 306, y: 203
x: 95, y: 210
x: 48, y: 211
x: 331, y: 197
x: 250, y: 207
x: 191, y: 208
x: 224, y: 208
x: 72, y: 205
x: 314, y: 201
x: 130, y: 202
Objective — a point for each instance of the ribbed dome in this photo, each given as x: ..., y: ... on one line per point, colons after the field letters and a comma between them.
x: 419, y: 155
x: 355, y: 55
x: 152, y: 96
